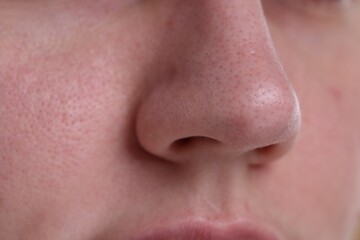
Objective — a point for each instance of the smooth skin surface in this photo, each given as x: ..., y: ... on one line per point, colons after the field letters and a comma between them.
x: 117, y: 116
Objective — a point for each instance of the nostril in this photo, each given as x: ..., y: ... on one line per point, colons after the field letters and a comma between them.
x: 266, y: 150
x: 182, y: 144
x: 188, y: 142
x: 261, y: 156
x: 264, y: 155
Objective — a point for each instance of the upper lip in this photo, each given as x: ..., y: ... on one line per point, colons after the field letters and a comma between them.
x: 207, y: 230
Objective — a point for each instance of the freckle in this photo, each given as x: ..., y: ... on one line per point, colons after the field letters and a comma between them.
x: 336, y: 94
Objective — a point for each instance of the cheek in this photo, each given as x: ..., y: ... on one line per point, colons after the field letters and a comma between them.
x: 319, y: 182
x: 323, y: 177
x: 64, y: 130
x: 52, y: 135
x: 324, y: 180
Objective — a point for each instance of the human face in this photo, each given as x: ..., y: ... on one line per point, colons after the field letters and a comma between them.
x: 179, y: 119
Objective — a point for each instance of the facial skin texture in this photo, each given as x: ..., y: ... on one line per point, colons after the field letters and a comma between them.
x: 119, y: 116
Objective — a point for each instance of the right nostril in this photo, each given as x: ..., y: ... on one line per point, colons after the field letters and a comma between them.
x: 188, y: 142
x: 182, y: 143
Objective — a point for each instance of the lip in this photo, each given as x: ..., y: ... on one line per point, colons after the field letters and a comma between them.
x: 207, y: 230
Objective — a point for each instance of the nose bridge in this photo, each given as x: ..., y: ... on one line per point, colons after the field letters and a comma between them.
x: 215, y: 32
x: 225, y: 44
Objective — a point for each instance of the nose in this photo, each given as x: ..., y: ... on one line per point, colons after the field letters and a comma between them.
x: 222, y: 92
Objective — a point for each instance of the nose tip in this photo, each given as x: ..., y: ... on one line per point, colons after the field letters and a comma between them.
x: 270, y: 115
x: 275, y: 141
x: 228, y: 99
x: 259, y: 123
x: 272, y: 122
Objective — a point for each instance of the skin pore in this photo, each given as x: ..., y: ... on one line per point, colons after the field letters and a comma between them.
x: 121, y: 116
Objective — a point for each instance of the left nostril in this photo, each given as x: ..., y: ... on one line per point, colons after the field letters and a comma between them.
x: 264, y: 155
x: 266, y: 150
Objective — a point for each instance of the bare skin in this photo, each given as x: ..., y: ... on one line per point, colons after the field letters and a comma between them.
x: 119, y: 117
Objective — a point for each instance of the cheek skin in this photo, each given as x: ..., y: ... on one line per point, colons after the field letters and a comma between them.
x: 60, y: 115
x: 325, y: 179
x: 317, y: 182
x: 42, y: 125
x: 53, y: 116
